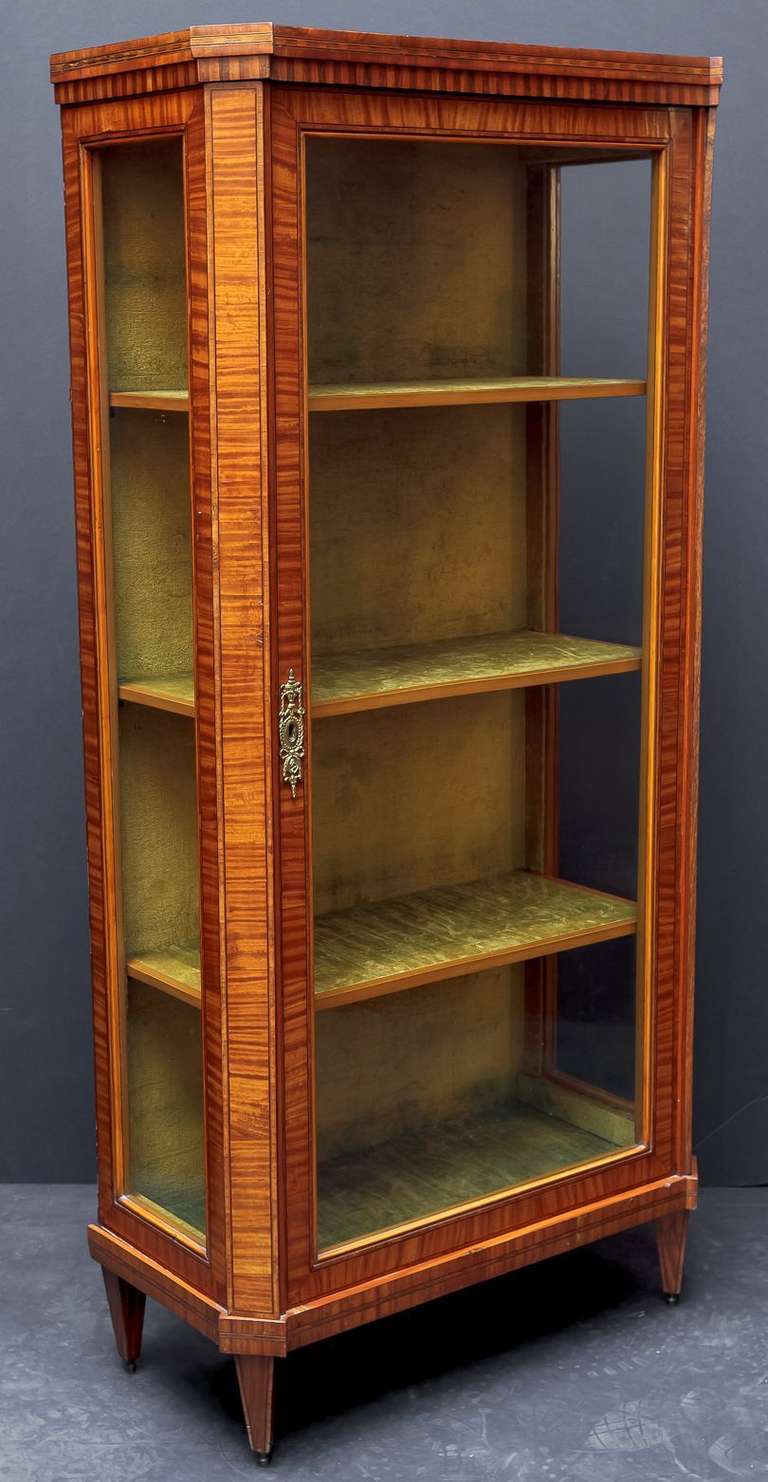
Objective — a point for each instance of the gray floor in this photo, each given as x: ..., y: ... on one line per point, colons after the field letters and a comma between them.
x: 572, y: 1371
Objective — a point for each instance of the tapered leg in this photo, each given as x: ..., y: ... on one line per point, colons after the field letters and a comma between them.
x: 671, y: 1235
x: 126, y: 1308
x: 255, y: 1376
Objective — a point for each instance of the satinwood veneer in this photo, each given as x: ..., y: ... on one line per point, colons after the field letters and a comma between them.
x: 364, y: 1033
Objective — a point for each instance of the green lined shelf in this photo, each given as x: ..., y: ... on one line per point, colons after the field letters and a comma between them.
x: 174, y: 970
x: 373, y: 678
x: 373, y: 396
x: 404, y: 941
x: 440, y: 1166
x: 151, y: 401
x: 377, y: 395
x: 174, y: 692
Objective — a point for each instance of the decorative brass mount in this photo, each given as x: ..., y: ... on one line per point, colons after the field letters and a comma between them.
x: 291, y: 731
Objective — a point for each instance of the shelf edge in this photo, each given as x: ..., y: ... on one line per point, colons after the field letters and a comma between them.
x: 137, y: 968
x: 133, y: 694
x: 334, y: 998
x: 340, y: 399
x: 150, y: 401
x: 383, y: 699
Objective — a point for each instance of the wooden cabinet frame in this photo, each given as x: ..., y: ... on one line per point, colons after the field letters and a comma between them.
x: 670, y: 138
x: 245, y: 99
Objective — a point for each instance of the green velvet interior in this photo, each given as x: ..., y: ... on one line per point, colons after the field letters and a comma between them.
x: 397, y: 1063
x: 417, y: 525
x: 165, y: 1103
x: 144, y: 265
x: 430, y: 1168
x: 416, y: 260
x: 416, y: 796
x: 416, y: 269
x: 151, y: 544
x: 158, y: 829
x: 146, y: 332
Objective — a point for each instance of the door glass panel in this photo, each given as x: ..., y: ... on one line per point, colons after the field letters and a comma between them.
x: 150, y: 558
x: 474, y: 980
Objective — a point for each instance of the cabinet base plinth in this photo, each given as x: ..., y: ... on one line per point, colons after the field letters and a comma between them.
x: 255, y: 1343
x: 666, y: 1199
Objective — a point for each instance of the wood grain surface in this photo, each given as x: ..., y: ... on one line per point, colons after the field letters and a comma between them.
x: 352, y: 398
x: 174, y: 692
x: 237, y: 204
x: 297, y: 54
x: 151, y: 401
x: 245, y: 99
x: 293, y: 113
x: 126, y: 1309
x: 83, y: 131
x: 174, y: 969
x: 343, y: 1310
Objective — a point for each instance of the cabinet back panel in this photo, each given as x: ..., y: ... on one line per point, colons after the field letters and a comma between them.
x: 416, y: 260
x: 144, y: 265
x: 158, y: 827
x: 418, y: 796
x: 151, y: 542
x: 393, y: 1064
x: 166, y: 1148
x: 417, y: 525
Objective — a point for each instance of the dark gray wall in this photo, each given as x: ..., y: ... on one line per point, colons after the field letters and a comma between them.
x: 46, y: 1122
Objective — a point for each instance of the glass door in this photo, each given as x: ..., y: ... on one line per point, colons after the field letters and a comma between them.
x: 479, y: 1021
x: 139, y: 193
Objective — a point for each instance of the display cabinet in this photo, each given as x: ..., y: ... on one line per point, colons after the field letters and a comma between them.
x: 389, y: 619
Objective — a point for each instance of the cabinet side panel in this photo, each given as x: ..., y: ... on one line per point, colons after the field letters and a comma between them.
x: 210, y: 820
x: 88, y: 658
x: 84, y: 131
x: 691, y: 186
x: 237, y: 203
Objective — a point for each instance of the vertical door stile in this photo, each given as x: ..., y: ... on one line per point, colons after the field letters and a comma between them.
x: 235, y: 124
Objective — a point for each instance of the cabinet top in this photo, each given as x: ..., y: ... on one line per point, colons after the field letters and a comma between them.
x: 299, y: 54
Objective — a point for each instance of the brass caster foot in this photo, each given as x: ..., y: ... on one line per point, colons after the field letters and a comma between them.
x: 671, y: 1298
x: 263, y: 1458
x: 130, y: 1366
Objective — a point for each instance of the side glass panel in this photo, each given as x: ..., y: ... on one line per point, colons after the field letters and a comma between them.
x: 150, y: 538
x: 602, y: 455
x: 449, y: 1067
